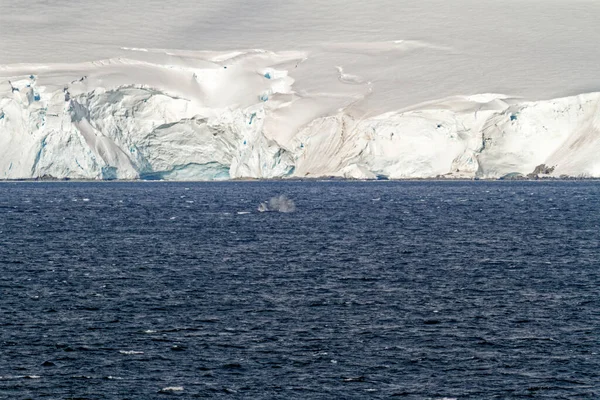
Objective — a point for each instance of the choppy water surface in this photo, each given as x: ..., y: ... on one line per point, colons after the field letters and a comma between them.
x: 419, y: 290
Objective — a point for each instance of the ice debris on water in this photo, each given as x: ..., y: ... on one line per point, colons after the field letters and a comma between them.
x: 279, y: 203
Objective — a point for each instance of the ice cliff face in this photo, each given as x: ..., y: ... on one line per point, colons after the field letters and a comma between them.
x: 207, y: 116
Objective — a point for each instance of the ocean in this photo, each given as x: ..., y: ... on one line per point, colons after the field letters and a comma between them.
x: 359, y: 290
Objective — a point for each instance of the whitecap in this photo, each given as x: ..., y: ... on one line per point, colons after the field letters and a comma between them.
x: 172, y: 389
x: 130, y: 352
x: 243, y: 212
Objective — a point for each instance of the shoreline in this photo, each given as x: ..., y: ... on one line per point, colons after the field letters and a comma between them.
x: 319, y: 179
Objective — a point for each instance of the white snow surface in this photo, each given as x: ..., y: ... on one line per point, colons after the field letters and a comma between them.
x: 267, y: 89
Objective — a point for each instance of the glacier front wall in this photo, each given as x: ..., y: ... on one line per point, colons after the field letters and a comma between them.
x: 198, y: 123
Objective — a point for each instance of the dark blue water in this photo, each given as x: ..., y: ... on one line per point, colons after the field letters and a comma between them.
x: 416, y: 290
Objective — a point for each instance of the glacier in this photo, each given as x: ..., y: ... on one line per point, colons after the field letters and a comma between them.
x: 261, y: 89
x: 244, y: 114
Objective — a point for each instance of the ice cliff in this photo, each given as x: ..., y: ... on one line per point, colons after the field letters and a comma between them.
x: 260, y: 114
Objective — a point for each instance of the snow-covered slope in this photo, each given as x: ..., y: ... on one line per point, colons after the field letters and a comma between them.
x: 396, y: 89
